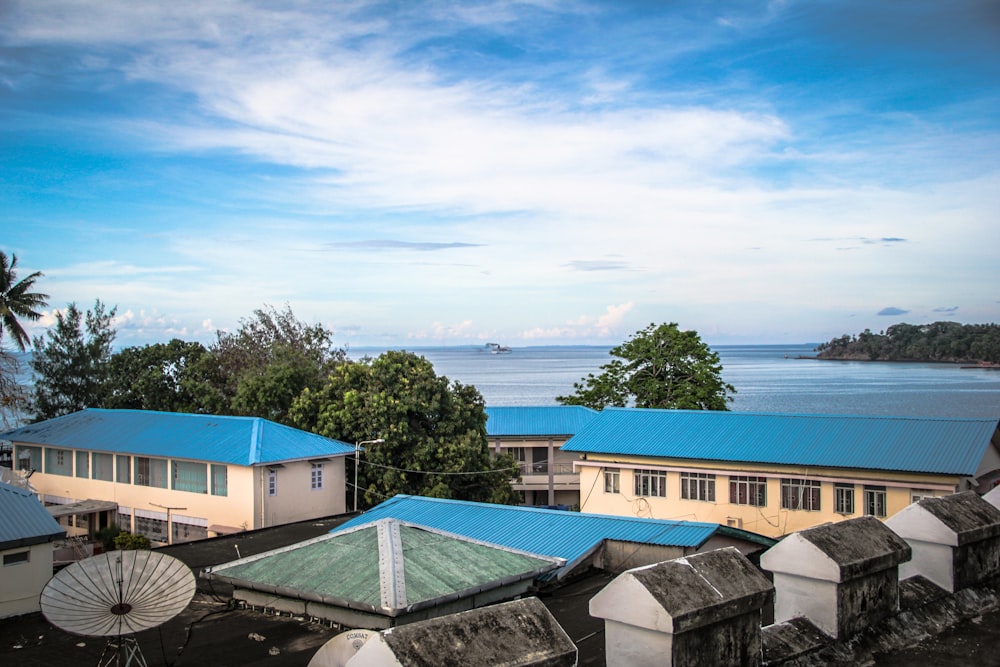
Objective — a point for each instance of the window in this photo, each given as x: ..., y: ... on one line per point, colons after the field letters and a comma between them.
x: 16, y: 558
x: 83, y: 464
x: 28, y: 458
x: 189, y: 476
x: 651, y: 483
x: 148, y: 524
x: 58, y: 462
x: 916, y: 495
x: 220, y: 480
x: 800, y: 494
x: 151, y: 472
x: 612, y: 480
x: 316, y: 476
x: 697, y: 486
x: 124, y: 469
x: 843, y: 498
x: 102, y: 467
x: 125, y: 518
x: 185, y: 532
x: 875, y: 501
x: 744, y: 490
x: 272, y: 482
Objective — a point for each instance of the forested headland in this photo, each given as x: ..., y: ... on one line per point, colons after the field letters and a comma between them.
x: 940, y: 341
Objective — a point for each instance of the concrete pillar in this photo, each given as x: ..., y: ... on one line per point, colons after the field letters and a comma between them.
x: 843, y: 577
x: 703, y: 609
x: 955, y: 539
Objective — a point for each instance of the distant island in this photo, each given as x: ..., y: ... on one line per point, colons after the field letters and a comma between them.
x: 951, y: 342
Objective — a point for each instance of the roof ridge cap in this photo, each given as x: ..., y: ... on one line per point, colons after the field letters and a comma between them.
x: 391, y: 564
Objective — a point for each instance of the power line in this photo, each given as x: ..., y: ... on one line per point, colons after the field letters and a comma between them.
x: 434, y: 472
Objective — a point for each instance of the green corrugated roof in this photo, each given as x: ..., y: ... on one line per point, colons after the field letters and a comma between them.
x: 386, y: 567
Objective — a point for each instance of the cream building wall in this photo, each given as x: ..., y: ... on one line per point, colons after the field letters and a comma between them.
x: 771, y: 519
x: 246, y: 505
x: 21, y: 581
x: 293, y: 498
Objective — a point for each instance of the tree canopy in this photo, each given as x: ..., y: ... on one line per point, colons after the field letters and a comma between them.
x: 434, y: 431
x: 71, y: 361
x: 939, y: 341
x: 262, y: 367
x: 660, y: 366
x: 161, y: 376
x: 17, y: 300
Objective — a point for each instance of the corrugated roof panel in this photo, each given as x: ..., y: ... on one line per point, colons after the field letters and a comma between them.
x: 562, y: 534
x: 913, y: 444
x: 348, y: 567
x: 222, y: 439
x: 537, y: 420
x: 24, y: 520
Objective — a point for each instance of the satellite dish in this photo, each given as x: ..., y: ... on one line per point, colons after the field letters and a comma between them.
x: 340, y: 649
x: 118, y: 593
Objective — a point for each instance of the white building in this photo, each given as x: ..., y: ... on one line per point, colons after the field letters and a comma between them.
x: 26, y: 534
x: 185, y: 475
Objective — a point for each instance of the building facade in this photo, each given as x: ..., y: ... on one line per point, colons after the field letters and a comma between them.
x: 177, y: 477
x: 776, y: 474
x: 534, y: 436
x: 26, y: 535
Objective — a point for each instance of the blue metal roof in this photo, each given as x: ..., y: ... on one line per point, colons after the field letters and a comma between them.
x: 24, y: 520
x: 237, y: 440
x: 912, y: 444
x: 538, y: 420
x: 568, y: 535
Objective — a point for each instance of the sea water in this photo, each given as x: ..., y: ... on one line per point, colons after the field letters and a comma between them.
x: 767, y: 378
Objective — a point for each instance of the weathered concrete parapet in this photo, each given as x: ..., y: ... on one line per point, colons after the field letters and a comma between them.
x: 955, y: 539
x: 522, y: 632
x: 703, y: 609
x: 841, y: 576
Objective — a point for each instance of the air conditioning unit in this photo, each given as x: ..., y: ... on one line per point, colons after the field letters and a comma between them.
x: 734, y: 522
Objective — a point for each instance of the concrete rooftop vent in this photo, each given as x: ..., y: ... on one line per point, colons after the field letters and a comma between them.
x: 841, y: 576
x: 522, y: 633
x: 703, y: 609
x: 993, y: 496
x: 955, y: 539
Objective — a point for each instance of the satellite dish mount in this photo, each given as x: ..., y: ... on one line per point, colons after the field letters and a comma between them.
x: 116, y: 595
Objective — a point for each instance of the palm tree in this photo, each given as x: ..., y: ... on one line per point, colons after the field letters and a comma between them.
x: 18, y: 301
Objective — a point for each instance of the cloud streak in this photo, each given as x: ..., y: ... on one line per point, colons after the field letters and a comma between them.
x: 196, y: 161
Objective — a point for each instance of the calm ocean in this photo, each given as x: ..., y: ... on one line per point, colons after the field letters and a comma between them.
x: 768, y: 378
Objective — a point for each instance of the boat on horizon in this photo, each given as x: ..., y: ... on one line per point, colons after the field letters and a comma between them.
x: 497, y: 348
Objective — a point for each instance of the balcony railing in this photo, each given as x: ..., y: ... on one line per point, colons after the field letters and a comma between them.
x: 542, y: 468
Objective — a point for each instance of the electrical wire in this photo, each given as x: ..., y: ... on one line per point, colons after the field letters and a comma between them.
x: 434, y: 472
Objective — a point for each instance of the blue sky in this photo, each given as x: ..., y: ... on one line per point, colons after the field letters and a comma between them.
x: 424, y: 173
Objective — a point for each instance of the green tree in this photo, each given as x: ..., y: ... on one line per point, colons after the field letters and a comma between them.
x: 18, y: 301
x: 71, y: 361
x: 434, y: 431
x: 154, y: 377
x: 658, y: 367
x: 262, y: 367
x: 938, y: 341
x: 131, y: 541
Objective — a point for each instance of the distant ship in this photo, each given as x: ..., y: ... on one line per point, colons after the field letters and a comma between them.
x: 496, y: 348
